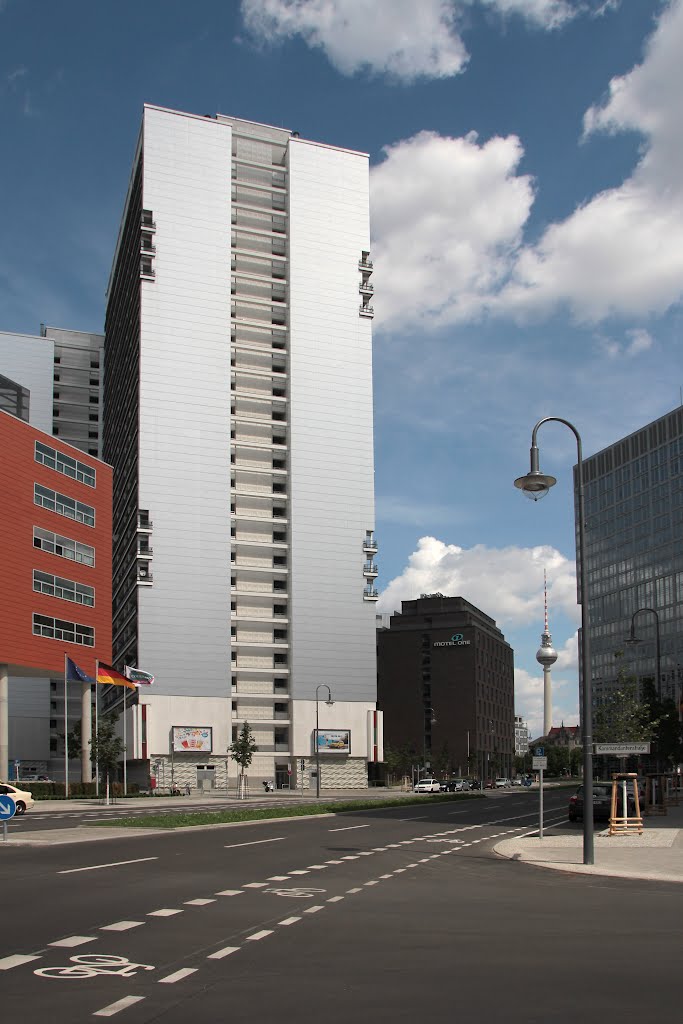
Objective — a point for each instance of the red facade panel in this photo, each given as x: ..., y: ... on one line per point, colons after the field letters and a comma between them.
x: 19, y: 472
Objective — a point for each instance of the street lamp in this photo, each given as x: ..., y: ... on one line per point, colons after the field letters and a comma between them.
x: 329, y: 703
x: 536, y: 485
x: 632, y: 639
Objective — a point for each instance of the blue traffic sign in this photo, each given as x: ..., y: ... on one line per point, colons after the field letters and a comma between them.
x: 7, y: 808
x: 540, y: 751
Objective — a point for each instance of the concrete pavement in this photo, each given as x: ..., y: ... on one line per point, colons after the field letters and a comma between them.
x: 656, y: 855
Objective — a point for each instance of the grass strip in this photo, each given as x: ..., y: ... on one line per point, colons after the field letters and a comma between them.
x: 189, y: 818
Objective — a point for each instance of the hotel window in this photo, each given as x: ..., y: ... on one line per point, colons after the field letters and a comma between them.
x: 63, y: 546
x: 64, y: 464
x: 58, y: 629
x: 66, y: 590
x: 63, y: 505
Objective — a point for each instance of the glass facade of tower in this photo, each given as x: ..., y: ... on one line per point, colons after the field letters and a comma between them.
x: 634, y: 557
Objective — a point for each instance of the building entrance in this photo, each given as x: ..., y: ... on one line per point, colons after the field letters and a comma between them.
x: 206, y: 776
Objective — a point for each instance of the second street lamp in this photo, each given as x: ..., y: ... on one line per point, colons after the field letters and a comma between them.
x: 329, y: 703
x: 536, y: 485
x: 632, y: 639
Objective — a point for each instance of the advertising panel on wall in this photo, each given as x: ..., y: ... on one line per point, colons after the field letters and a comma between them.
x: 337, y: 741
x: 192, y: 739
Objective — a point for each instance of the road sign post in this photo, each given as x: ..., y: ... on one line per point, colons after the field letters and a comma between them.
x: 540, y: 763
x: 7, y: 810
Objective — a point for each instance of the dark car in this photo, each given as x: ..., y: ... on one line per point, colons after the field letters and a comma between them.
x: 602, y: 802
x: 455, y: 786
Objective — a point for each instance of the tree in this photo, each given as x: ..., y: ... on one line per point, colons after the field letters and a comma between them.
x: 666, y: 726
x: 622, y: 718
x: 442, y: 760
x: 242, y: 752
x: 107, y: 746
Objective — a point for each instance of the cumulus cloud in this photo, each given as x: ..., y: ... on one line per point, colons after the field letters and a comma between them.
x: 447, y: 216
x: 507, y: 583
x: 622, y: 251
x: 402, y: 38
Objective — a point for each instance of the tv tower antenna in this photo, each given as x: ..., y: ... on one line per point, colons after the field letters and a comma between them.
x: 546, y: 655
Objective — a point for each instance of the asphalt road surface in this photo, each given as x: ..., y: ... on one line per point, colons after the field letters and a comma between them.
x: 397, y: 915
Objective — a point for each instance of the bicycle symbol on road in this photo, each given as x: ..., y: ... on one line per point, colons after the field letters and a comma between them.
x: 90, y: 966
x: 299, y: 894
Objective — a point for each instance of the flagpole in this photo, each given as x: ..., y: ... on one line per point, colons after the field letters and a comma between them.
x: 66, y: 734
x: 124, y: 742
x: 97, y: 733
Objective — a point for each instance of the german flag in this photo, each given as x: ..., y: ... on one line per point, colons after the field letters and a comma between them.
x: 108, y: 676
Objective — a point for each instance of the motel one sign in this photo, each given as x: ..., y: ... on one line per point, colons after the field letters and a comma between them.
x: 455, y: 641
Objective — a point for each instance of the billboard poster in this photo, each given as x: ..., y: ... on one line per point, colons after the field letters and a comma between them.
x: 337, y: 741
x: 193, y: 739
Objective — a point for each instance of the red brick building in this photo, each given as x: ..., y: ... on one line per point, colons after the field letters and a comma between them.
x: 56, y: 528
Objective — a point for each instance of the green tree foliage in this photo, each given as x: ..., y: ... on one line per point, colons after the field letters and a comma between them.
x: 107, y: 746
x: 666, y: 726
x: 243, y: 749
x: 442, y: 759
x: 622, y: 718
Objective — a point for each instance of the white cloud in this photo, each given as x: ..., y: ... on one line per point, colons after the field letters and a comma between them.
x: 447, y: 217
x: 400, y: 37
x: 406, y: 39
x: 529, y: 700
x: 505, y: 583
x: 622, y: 251
x: 638, y: 341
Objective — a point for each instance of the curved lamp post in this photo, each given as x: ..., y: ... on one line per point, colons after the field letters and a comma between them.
x: 632, y: 639
x: 329, y: 703
x: 536, y: 485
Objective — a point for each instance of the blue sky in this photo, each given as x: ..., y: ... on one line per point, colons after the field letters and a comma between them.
x: 527, y: 219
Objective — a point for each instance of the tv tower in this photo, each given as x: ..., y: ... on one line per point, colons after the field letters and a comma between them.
x: 546, y: 655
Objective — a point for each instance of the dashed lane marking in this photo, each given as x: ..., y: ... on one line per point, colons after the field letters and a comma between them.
x: 347, y: 828
x: 313, y: 910
x: 8, y: 962
x: 354, y: 890
x: 121, y: 926
x: 302, y: 871
x: 255, y: 885
x: 73, y: 940
x: 289, y: 920
x: 283, y: 878
x: 165, y: 912
x: 373, y: 881
x: 199, y: 902
x: 335, y: 899
x: 317, y: 867
x: 184, y: 972
x: 120, y: 1004
x: 114, y: 864
x: 255, y: 842
x: 230, y: 892
x: 259, y: 935
x: 352, y: 856
x: 220, y: 953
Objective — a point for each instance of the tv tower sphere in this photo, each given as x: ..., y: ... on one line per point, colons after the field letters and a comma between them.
x: 546, y: 653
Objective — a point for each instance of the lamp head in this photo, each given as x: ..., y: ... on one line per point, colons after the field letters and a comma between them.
x: 535, y: 485
x: 329, y: 702
x: 632, y: 640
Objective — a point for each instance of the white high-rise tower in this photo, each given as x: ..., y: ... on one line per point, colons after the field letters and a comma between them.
x: 238, y: 417
x: 546, y: 655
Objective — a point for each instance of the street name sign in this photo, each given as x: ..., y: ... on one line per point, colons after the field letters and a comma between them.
x: 539, y: 762
x: 622, y: 749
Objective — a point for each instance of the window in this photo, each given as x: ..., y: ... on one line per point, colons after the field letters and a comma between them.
x: 63, y: 546
x: 58, y: 629
x: 62, y: 463
x: 63, y: 505
x: 66, y: 590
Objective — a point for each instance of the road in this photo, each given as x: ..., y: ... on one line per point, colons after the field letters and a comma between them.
x: 394, y: 914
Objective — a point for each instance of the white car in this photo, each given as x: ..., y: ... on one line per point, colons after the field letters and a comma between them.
x: 502, y: 783
x: 22, y: 798
x: 427, y: 786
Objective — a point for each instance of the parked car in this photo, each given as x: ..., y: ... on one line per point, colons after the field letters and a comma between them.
x: 517, y: 781
x: 455, y: 786
x: 22, y: 798
x: 427, y: 786
x: 602, y: 802
x: 502, y: 783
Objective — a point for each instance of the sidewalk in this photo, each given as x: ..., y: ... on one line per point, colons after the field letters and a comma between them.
x: 656, y: 855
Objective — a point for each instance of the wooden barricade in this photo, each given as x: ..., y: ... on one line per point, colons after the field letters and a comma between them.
x: 624, y: 823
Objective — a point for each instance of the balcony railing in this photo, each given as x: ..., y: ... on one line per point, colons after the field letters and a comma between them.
x: 365, y: 265
x: 370, y: 594
x: 370, y: 569
x: 366, y: 310
x: 366, y: 288
x: 370, y: 545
